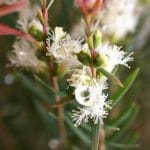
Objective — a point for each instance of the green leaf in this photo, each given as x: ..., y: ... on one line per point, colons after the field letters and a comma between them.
x: 77, y: 131
x: 48, y: 86
x: 126, y: 124
x: 127, y: 84
x: 30, y: 86
x: 95, y: 136
x: 123, y: 117
x: 132, y: 138
x: 123, y: 146
x: 48, y: 119
x: 111, y: 77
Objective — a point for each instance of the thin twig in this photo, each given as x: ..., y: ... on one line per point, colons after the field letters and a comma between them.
x: 55, y: 84
x: 102, y: 145
x: 60, y: 111
x: 95, y: 136
x: 98, y: 132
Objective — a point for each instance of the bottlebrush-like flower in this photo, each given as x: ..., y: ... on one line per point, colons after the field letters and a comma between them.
x: 87, y: 94
x: 94, y: 104
x: 88, y: 7
x: 112, y: 56
x: 119, y: 17
x: 62, y: 48
x: 24, y: 56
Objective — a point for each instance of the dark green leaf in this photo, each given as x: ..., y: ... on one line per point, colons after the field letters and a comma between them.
x: 111, y: 77
x: 123, y: 146
x: 126, y: 124
x: 30, y: 86
x: 77, y: 131
x: 127, y: 84
x: 48, y: 86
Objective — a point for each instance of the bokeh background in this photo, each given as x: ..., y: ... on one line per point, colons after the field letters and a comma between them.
x: 23, y: 127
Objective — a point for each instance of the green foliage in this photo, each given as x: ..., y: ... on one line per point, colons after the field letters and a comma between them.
x: 123, y: 121
x: 127, y: 84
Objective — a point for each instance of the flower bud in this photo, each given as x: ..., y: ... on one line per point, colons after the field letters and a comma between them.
x: 35, y: 28
x: 36, y: 33
x: 89, y: 7
x: 100, y: 60
x: 97, y: 38
x: 84, y: 58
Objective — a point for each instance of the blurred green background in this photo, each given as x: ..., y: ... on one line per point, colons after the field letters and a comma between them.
x: 22, y: 127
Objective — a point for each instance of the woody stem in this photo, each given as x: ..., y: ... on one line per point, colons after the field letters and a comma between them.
x: 55, y: 84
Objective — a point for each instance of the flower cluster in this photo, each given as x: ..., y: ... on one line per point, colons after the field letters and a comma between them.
x: 119, y: 17
x: 89, y: 91
x: 24, y: 51
x: 89, y: 62
x: 24, y: 56
x: 63, y: 49
x: 94, y: 103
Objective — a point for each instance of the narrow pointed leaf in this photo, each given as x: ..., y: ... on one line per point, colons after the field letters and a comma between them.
x: 123, y: 117
x: 7, y: 9
x: 37, y: 92
x: 111, y: 77
x: 125, y: 127
x: 123, y: 146
x: 6, y: 30
x: 77, y: 131
x: 48, y: 86
x: 127, y: 84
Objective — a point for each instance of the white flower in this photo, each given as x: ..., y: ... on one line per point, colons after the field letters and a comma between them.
x: 93, y: 101
x: 57, y: 35
x: 97, y: 112
x: 119, y: 17
x: 27, y: 18
x: 113, y: 56
x: 24, y: 55
x: 80, y: 77
x: 87, y: 95
x: 63, y: 48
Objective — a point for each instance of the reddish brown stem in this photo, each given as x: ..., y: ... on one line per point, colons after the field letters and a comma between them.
x: 60, y: 110
x: 45, y: 18
x: 93, y: 72
x: 102, y: 139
